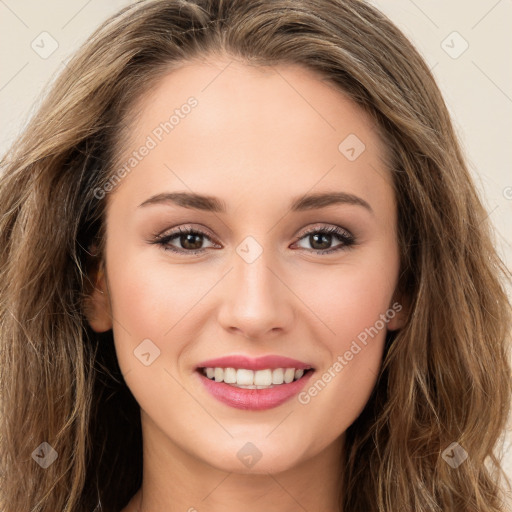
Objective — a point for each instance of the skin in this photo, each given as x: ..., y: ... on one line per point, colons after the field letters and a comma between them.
x: 258, y: 138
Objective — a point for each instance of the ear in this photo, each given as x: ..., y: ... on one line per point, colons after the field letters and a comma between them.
x: 98, y: 310
x: 398, y: 312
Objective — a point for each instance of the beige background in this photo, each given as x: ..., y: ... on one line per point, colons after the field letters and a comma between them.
x: 467, y: 44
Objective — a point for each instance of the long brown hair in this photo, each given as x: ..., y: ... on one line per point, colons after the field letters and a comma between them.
x: 446, y: 374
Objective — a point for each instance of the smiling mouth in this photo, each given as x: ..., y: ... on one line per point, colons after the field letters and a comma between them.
x: 254, y: 379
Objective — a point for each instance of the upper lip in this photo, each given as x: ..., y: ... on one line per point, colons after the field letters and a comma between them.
x: 254, y: 363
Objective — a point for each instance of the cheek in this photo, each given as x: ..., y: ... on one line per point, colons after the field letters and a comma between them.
x: 149, y: 307
x: 350, y: 298
x: 140, y: 298
x: 156, y: 301
x: 340, y: 390
x: 353, y: 307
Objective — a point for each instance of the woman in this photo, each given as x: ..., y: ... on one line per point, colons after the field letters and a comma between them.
x: 244, y: 266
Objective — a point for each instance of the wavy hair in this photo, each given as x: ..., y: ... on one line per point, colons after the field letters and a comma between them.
x: 446, y: 374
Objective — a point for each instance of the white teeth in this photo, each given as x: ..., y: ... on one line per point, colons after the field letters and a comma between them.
x: 251, y: 387
x: 249, y: 379
x: 278, y: 376
x: 244, y: 377
x: 263, y: 377
x: 289, y: 375
x: 230, y: 376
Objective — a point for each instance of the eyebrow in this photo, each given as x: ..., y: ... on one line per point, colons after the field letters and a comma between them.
x: 213, y: 204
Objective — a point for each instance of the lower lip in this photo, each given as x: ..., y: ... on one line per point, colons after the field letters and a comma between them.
x: 254, y: 399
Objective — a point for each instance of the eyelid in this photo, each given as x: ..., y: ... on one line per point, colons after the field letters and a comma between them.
x: 325, y: 227
x: 164, y: 238
x: 347, y: 238
x: 184, y: 229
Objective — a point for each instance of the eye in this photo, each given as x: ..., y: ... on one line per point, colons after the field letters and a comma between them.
x: 189, y: 240
x: 321, y: 239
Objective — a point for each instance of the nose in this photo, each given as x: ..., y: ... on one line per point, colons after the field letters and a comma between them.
x: 256, y: 303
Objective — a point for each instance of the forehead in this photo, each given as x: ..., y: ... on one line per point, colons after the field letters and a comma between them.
x: 272, y: 129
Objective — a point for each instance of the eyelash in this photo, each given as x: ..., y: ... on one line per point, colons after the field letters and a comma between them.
x: 343, y: 235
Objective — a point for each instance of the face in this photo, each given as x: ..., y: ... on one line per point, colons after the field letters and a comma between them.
x: 257, y: 227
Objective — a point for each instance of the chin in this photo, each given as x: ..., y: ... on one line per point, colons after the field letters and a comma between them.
x: 257, y: 457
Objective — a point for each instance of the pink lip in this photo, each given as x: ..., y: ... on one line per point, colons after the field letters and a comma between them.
x: 254, y: 399
x: 250, y: 363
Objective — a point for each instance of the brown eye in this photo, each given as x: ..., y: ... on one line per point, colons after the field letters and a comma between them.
x: 184, y: 240
x: 321, y: 239
x: 191, y: 241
